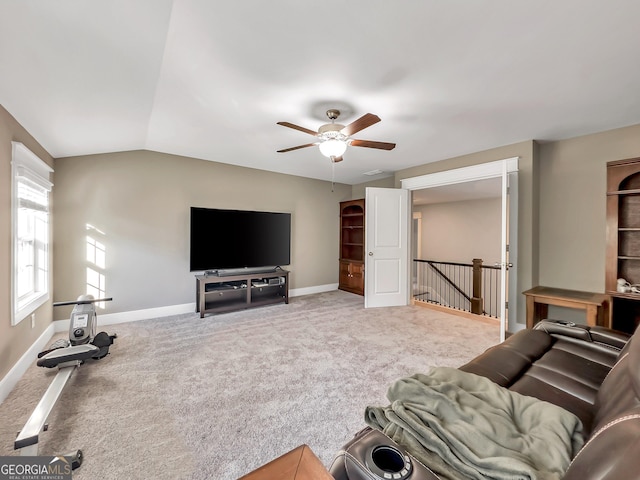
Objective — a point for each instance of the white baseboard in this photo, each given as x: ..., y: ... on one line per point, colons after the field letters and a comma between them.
x: 14, y: 375
x: 17, y: 371
x: 133, y: 315
x: 298, y: 292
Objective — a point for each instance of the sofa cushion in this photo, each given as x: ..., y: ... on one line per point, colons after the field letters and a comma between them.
x: 506, y: 362
x: 539, y: 388
x: 555, y: 363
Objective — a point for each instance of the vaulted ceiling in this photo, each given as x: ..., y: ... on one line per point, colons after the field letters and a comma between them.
x: 210, y: 79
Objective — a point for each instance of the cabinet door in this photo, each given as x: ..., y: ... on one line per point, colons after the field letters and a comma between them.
x: 345, y: 275
x: 352, y: 277
x: 357, y: 277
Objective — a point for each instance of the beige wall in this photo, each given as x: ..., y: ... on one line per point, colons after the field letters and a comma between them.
x: 140, y: 202
x: 358, y: 191
x: 572, y: 206
x: 462, y: 231
x: 14, y: 341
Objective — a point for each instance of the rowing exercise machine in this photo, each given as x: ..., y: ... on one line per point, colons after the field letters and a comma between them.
x: 83, y: 344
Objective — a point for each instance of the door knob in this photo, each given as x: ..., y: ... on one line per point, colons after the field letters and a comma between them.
x: 371, y: 254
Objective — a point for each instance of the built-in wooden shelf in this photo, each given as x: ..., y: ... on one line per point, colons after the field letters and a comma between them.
x: 351, y: 273
x: 623, y: 241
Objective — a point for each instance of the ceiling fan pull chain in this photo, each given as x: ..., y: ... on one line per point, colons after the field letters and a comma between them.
x: 333, y: 173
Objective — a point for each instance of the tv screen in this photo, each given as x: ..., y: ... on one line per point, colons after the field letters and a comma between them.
x: 233, y: 239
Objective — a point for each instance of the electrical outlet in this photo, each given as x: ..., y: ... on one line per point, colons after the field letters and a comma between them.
x: 33, y: 320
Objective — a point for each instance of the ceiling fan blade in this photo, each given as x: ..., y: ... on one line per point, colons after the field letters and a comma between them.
x: 336, y: 159
x: 298, y: 127
x: 363, y: 122
x: 296, y: 148
x: 372, y: 144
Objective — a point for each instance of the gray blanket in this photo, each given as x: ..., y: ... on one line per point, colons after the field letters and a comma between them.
x: 463, y: 425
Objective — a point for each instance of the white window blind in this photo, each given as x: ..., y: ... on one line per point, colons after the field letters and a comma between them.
x: 30, y: 236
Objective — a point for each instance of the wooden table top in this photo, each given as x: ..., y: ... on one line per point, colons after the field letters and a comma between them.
x: 298, y: 464
x: 561, y: 293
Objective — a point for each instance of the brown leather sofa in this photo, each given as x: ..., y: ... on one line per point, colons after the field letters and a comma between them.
x: 593, y: 372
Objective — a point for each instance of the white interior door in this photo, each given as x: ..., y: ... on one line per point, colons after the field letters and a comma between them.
x: 508, y: 260
x: 512, y: 253
x: 503, y: 256
x: 386, y: 247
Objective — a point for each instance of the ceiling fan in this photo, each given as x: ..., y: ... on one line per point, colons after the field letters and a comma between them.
x: 333, y: 138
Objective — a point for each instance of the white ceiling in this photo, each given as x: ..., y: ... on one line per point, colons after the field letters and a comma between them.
x: 210, y: 79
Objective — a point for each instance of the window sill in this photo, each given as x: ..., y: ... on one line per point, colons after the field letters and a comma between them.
x: 36, y: 300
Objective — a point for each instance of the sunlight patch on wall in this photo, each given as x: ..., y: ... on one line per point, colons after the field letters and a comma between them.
x: 96, y: 260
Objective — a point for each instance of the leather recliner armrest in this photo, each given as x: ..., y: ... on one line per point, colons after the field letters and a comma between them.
x: 567, y: 329
x: 351, y: 463
x: 602, y: 335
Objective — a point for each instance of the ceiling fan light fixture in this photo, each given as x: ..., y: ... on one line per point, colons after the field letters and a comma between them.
x: 333, y: 147
x: 334, y: 138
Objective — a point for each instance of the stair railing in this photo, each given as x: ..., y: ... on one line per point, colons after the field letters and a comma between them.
x: 471, y: 287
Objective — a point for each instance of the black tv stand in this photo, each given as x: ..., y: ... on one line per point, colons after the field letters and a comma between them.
x: 217, y: 294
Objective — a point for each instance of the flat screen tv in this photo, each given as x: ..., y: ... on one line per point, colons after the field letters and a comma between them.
x: 238, y: 239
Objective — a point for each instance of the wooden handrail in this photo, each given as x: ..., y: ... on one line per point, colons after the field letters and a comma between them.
x: 447, y: 279
x: 476, y: 301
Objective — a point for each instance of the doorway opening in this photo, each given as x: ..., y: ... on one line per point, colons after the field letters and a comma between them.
x: 461, y: 180
x: 456, y: 246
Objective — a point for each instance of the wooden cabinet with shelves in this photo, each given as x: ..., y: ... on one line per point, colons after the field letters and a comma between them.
x: 351, y: 277
x: 623, y: 241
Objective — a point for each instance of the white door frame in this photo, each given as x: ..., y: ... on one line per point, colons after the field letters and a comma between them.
x: 498, y: 168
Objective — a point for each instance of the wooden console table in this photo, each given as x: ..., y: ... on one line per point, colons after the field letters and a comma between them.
x: 298, y: 464
x: 595, y: 305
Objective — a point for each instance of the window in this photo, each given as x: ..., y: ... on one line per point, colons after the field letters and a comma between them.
x: 30, y: 220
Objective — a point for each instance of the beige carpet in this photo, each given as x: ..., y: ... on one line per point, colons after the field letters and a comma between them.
x: 188, y: 398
